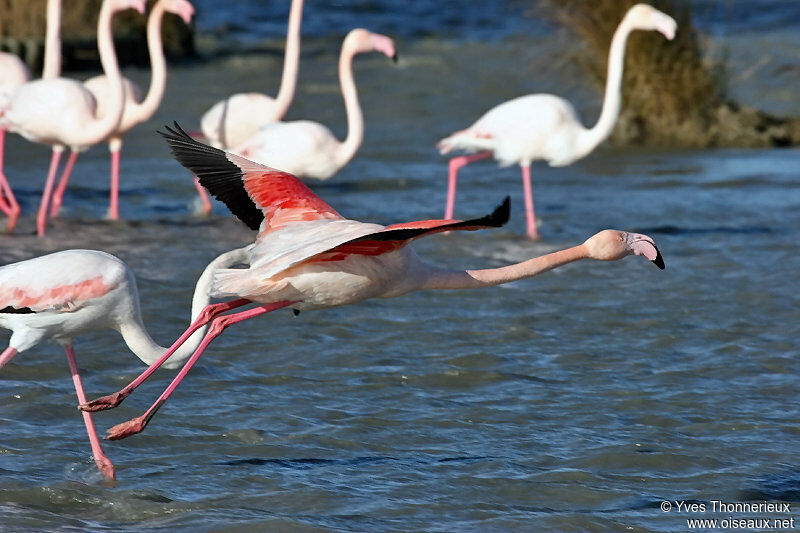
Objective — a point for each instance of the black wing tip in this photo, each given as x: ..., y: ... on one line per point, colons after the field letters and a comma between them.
x: 659, y: 260
x: 501, y: 213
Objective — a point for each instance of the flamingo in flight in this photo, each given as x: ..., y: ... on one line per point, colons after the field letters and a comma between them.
x: 64, y: 294
x: 61, y: 112
x: 136, y: 110
x: 235, y: 119
x: 545, y: 126
x: 13, y: 74
x: 308, y: 149
x: 307, y: 256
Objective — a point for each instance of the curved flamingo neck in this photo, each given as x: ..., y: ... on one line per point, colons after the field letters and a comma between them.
x: 436, y: 278
x: 98, y: 130
x: 142, y: 344
x: 291, y: 61
x: 52, y: 41
x: 613, y: 95
x: 355, y: 119
x: 158, y: 66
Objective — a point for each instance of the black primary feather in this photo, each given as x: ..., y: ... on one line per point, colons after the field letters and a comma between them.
x: 18, y: 311
x: 222, y: 178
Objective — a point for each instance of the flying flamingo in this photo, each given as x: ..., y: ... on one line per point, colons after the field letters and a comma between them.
x: 544, y: 126
x: 62, y: 112
x: 13, y: 74
x: 235, y: 119
x: 308, y: 149
x: 307, y: 256
x: 61, y: 295
x: 135, y: 110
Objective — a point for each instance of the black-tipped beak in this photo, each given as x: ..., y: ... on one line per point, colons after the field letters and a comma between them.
x: 395, y: 58
x: 659, y: 261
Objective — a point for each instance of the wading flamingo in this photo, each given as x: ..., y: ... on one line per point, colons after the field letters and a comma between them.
x: 136, y: 110
x: 61, y: 295
x: 13, y: 74
x: 308, y: 149
x: 63, y: 113
x: 544, y: 126
x: 235, y: 119
x: 307, y: 256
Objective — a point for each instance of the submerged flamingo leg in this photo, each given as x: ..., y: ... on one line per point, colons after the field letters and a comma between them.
x: 452, y: 176
x: 206, y: 315
x: 58, y: 195
x: 113, y: 202
x: 103, y: 463
x: 7, y: 355
x: 136, y: 425
x: 8, y: 203
x: 201, y: 191
x: 530, y: 215
x: 41, y: 216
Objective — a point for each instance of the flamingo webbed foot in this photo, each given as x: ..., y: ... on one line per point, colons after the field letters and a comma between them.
x: 126, y: 429
x: 101, y: 404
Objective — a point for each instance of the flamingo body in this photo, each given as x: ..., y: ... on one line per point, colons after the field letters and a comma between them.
x: 13, y: 74
x: 103, y: 94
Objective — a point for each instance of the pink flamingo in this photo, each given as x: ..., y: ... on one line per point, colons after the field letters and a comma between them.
x: 62, y: 112
x: 65, y: 294
x: 308, y: 149
x: 136, y: 110
x: 544, y: 126
x: 13, y: 74
x: 307, y: 256
x: 235, y: 119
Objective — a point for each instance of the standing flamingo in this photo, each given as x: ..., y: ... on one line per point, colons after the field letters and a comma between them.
x: 544, y: 126
x: 65, y: 294
x: 62, y: 112
x: 307, y: 256
x: 235, y: 119
x: 13, y: 74
x: 135, y: 110
x: 308, y: 149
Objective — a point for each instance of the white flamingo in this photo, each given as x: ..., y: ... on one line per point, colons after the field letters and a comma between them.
x: 544, y: 126
x: 308, y: 149
x: 235, y: 119
x: 65, y: 294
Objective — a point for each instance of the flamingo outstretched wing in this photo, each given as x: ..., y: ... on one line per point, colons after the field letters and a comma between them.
x: 254, y: 193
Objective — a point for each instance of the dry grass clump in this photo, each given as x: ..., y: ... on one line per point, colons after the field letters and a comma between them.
x: 671, y: 95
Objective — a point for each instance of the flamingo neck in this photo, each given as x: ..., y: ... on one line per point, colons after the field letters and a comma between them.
x: 436, y: 278
x: 142, y: 344
x: 158, y: 66
x: 613, y: 95
x: 355, y: 119
x: 52, y: 41
x: 99, y: 129
x: 291, y: 61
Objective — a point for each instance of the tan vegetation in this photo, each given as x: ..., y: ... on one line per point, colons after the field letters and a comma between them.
x: 672, y: 95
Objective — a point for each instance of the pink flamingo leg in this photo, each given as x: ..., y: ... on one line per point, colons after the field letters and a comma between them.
x: 58, y: 194
x: 452, y: 175
x: 103, y: 463
x: 8, y: 203
x: 41, y: 217
x: 203, y: 196
x: 530, y: 216
x: 7, y: 355
x: 136, y: 425
x: 113, y: 203
x: 206, y: 315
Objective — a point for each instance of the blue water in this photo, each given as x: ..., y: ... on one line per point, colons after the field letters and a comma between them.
x: 579, y: 400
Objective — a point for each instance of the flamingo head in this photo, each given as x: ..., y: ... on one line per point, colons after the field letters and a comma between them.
x: 183, y: 8
x: 121, y: 5
x: 645, y: 17
x: 360, y: 40
x: 610, y: 245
